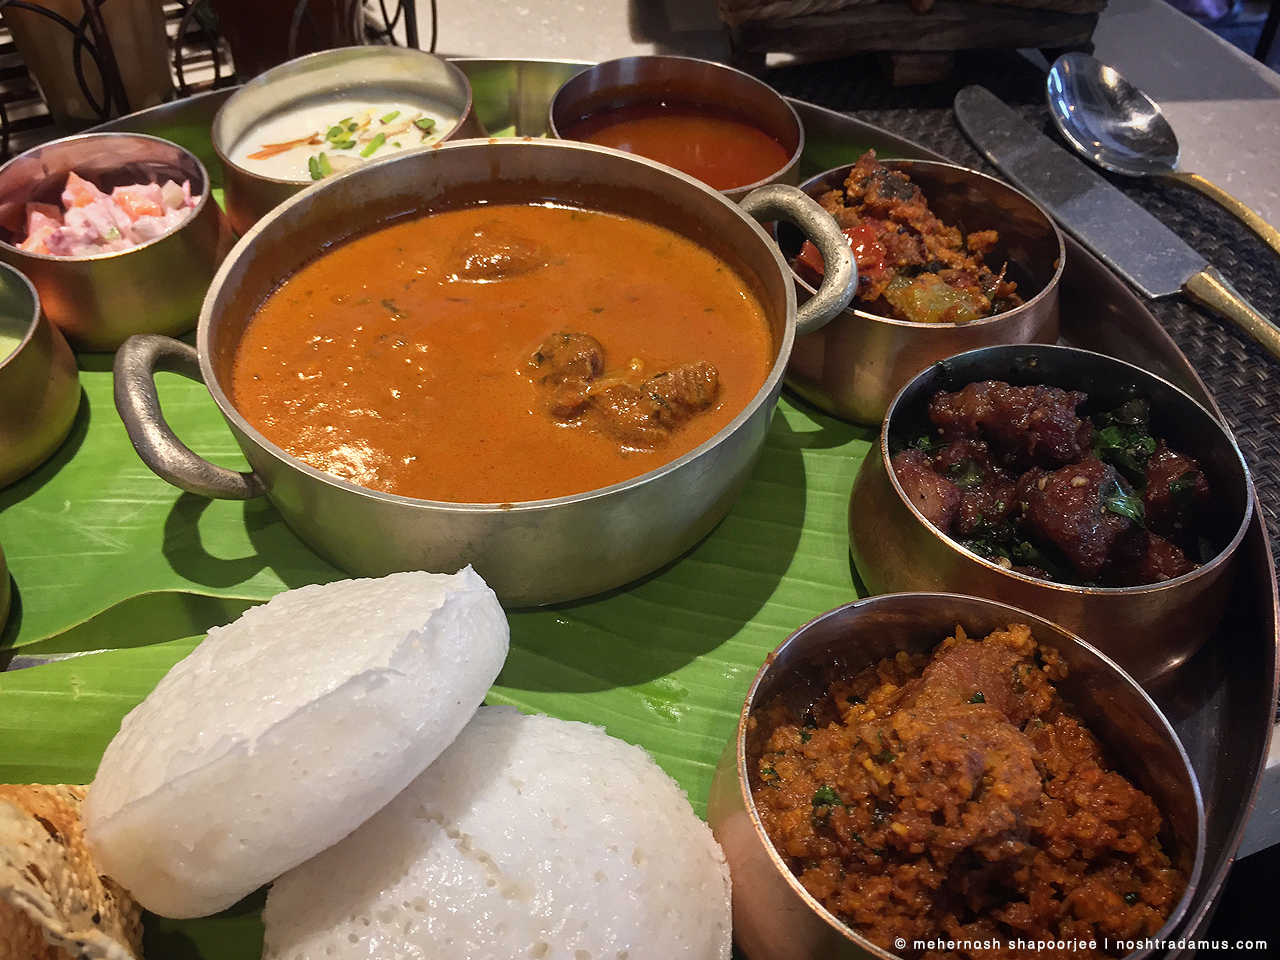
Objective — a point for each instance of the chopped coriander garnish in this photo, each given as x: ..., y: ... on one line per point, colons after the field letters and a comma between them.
x: 1183, y: 489
x: 827, y: 797
x: 374, y: 144
x: 1125, y: 504
x: 768, y: 772
x: 1131, y: 898
x: 978, y: 698
x: 391, y: 116
x: 805, y: 736
x: 886, y: 756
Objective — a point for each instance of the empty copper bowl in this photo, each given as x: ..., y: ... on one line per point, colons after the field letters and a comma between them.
x: 99, y: 300
x: 854, y: 365
x: 1149, y: 630
x: 371, y: 72
x: 39, y: 385
x: 662, y: 79
x: 774, y: 917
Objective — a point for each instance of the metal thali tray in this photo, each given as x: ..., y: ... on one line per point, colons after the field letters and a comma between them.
x: 1221, y: 703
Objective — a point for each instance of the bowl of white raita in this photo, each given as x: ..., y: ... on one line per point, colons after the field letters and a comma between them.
x: 331, y: 112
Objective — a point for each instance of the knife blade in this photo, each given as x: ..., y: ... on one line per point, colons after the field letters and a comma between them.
x: 1123, y: 235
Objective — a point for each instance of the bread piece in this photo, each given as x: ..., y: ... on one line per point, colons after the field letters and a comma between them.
x: 53, y: 903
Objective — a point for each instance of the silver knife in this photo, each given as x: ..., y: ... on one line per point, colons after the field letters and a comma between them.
x: 1124, y: 235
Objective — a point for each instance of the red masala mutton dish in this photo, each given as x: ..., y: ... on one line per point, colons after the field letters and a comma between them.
x: 957, y: 797
x: 1020, y: 476
x: 502, y: 354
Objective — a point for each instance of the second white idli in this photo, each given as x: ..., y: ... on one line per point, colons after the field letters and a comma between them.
x: 284, y: 731
x: 529, y: 837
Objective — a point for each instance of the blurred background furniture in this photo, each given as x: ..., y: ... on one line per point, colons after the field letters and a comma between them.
x: 917, y: 39
x: 66, y: 64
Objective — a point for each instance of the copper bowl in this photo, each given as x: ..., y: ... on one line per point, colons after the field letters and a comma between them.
x: 774, y: 917
x: 98, y: 300
x: 1149, y: 630
x: 652, y: 79
x: 855, y: 364
x: 39, y: 385
x: 375, y: 71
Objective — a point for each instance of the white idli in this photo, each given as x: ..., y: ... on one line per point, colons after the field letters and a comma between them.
x: 284, y: 731
x: 529, y: 837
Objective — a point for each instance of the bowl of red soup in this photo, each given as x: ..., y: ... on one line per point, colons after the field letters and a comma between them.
x: 443, y: 359
x: 949, y: 260
x: 718, y: 125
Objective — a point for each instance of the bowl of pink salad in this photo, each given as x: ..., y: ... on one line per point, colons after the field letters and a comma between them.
x: 117, y: 231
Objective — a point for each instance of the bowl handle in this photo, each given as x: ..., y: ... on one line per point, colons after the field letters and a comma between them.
x: 136, y: 364
x: 840, y: 273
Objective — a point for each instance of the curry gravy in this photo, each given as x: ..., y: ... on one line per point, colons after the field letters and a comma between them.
x: 402, y: 360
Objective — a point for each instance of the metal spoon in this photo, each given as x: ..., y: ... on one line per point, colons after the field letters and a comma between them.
x: 1111, y: 122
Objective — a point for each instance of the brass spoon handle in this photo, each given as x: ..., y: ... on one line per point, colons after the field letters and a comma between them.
x: 1210, y: 289
x: 1268, y: 234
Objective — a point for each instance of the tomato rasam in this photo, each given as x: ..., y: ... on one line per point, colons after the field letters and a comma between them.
x: 418, y: 359
x: 714, y: 145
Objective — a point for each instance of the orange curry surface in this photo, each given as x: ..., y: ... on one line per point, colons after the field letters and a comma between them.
x: 404, y: 360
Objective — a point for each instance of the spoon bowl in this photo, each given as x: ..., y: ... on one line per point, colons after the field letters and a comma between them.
x: 1111, y: 122
x: 1108, y: 119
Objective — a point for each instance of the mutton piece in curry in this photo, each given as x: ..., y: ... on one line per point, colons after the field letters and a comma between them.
x: 502, y: 354
x: 958, y: 797
x: 638, y: 408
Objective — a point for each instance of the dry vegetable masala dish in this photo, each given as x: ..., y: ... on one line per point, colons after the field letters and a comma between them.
x: 956, y: 796
x: 911, y: 265
x: 502, y: 353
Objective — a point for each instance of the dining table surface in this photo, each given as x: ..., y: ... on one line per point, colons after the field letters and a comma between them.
x: 1223, y: 105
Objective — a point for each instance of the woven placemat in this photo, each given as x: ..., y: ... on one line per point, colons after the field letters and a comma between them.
x: 1244, y: 379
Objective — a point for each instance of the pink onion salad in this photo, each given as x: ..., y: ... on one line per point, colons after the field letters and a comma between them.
x: 92, y: 221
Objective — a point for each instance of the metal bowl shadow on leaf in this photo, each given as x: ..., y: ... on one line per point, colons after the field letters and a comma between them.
x: 774, y: 916
x: 533, y: 552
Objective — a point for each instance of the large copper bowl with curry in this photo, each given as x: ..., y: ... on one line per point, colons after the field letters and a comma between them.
x: 666, y: 433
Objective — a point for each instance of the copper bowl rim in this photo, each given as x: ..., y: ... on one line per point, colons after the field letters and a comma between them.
x: 222, y: 397
x: 31, y: 324
x: 1019, y: 616
x: 1048, y: 290
x: 201, y: 202
x: 268, y: 76
x: 1222, y: 557
x: 763, y: 87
